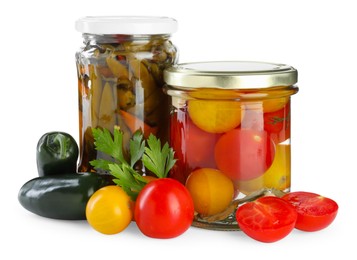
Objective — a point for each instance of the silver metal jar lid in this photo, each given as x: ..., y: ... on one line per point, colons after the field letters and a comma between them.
x: 230, y: 75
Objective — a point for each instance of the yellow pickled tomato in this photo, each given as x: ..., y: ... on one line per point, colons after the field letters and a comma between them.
x: 211, y: 190
x: 277, y: 176
x: 108, y: 210
x: 267, y: 105
x: 215, y: 116
x: 271, y: 105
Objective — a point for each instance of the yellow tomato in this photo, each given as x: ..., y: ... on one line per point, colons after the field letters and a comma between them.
x: 271, y: 105
x: 247, y: 187
x: 267, y: 105
x: 277, y: 176
x: 109, y: 210
x: 211, y: 190
x: 215, y: 116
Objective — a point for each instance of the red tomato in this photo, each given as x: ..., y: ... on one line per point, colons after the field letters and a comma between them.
x: 277, y: 123
x: 194, y: 147
x: 267, y: 219
x: 244, y: 154
x: 199, y: 147
x: 178, y: 172
x: 315, y: 212
x: 164, y: 209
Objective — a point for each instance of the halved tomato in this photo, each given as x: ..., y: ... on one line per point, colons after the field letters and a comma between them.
x: 267, y: 219
x: 315, y: 212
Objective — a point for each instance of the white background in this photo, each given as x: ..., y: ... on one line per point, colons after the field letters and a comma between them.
x: 39, y: 94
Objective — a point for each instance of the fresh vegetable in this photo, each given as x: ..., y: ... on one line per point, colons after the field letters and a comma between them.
x: 56, y: 153
x: 62, y: 196
x: 315, y: 212
x: 123, y: 170
x: 215, y: 116
x: 164, y: 209
x: 108, y: 210
x: 244, y: 154
x: 211, y: 190
x: 267, y: 219
x: 164, y: 202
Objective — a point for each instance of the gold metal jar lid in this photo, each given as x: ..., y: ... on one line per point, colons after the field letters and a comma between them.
x: 230, y: 75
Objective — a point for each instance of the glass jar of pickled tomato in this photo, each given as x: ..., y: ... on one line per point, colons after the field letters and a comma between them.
x: 120, y: 78
x: 230, y: 129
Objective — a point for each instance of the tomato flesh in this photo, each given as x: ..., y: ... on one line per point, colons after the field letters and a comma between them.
x: 315, y: 212
x: 267, y: 219
x: 164, y: 209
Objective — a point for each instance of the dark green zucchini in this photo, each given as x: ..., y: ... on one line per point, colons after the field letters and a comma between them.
x: 61, y: 196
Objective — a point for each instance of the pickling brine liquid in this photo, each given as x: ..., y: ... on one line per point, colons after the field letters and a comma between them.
x: 228, y: 149
x: 120, y: 85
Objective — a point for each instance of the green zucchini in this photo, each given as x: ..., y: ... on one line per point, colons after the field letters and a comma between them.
x: 63, y: 196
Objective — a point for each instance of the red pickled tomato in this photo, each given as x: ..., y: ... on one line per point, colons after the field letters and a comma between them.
x: 179, y: 171
x: 277, y: 123
x: 199, y: 147
x: 244, y: 154
x: 193, y: 146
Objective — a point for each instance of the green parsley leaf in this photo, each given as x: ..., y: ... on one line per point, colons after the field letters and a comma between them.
x: 158, y: 160
x: 105, y: 143
x: 127, y: 178
x: 137, y: 147
x: 101, y: 164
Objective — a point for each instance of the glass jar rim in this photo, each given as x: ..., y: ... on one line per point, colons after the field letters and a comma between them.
x: 230, y: 75
x: 127, y: 25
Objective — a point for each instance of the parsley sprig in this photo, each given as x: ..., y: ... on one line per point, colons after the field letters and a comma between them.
x: 156, y: 159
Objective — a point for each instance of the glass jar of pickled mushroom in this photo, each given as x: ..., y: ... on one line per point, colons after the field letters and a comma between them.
x: 230, y: 129
x: 120, y: 78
